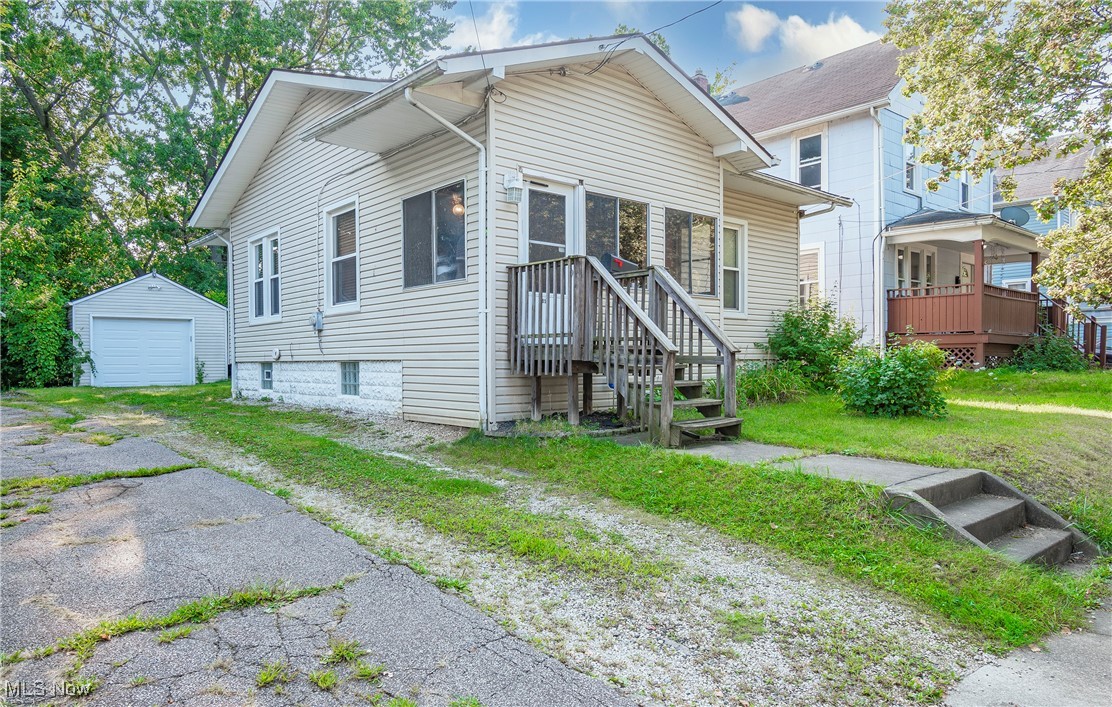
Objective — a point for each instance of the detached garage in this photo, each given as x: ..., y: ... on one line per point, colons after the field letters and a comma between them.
x: 150, y: 331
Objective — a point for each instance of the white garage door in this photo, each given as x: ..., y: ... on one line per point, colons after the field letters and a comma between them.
x: 131, y: 352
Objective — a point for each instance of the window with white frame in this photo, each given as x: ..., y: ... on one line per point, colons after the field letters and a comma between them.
x: 342, y: 252
x: 914, y: 267
x: 617, y: 227
x: 809, y: 262
x: 266, y: 284
x: 966, y: 187
x: 734, y: 280
x: 689, y: 250
x: 349, y: 378
x: 266, y: 375
x: 434, y: 236
x: 809, y: 160
x: 911, y: 167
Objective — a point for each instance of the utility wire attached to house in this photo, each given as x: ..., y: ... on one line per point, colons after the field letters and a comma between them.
x: 610, y: 53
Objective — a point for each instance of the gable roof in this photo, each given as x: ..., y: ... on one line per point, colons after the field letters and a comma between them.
x: 452, y: 86
x: 1035, y: 180
x: 150, y: 276
x: 281, y: 94
x: 859, y: 77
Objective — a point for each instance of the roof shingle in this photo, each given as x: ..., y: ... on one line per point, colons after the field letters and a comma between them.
x: 859, y: 76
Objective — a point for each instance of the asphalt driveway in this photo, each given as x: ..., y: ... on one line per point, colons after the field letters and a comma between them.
x: 146, y: 546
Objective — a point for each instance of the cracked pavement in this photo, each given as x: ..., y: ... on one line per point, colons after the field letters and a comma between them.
x: 149, y: 545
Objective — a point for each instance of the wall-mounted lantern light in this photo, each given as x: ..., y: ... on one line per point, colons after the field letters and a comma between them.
x: 514, y: 185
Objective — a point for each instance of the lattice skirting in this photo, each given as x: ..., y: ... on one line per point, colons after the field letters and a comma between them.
x: 962, y: 356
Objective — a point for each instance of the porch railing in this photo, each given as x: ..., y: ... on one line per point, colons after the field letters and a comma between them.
x: 1089, y: 336
x: 700, y: 341
x: 571, y: 312
x: 962, y: 309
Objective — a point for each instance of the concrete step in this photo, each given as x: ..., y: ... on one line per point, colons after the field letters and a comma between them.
x: 1030, y: 543
x: 685, y: 431
x: 947, y: 487
x: 986, y: 517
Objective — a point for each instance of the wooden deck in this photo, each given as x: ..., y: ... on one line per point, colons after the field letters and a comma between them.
x: 977, y: 323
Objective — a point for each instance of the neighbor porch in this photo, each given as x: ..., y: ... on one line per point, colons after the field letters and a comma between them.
x: 937, y: 289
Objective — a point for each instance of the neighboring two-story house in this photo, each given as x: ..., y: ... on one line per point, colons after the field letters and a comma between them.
x: 1035, y: 181
x: 902, y: 256
x: 441, y: 247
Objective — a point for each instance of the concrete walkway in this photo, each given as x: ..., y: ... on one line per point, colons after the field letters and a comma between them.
x: 149, y: 545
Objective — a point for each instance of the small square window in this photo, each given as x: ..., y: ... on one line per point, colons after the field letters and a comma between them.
x: 349, y: 378
x: 267, y: 372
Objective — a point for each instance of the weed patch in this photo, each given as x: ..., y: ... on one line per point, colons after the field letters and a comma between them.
x: 57, y: 484
x: 840, y: 525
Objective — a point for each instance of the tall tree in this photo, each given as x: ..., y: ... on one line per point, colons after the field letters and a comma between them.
x: 1002, y: 77
x: 125, y: 108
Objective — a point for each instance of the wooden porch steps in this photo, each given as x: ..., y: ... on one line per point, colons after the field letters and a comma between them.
x: 684, y: 432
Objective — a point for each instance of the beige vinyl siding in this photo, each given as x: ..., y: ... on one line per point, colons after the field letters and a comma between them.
x: 615, y: 136
x: 773, y: 268
x: 134, y: 300
x: 432, y: 330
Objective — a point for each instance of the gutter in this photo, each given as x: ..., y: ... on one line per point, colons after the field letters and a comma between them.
x: 879, y: 304
x: 824, y: 118
x: 484, y: 263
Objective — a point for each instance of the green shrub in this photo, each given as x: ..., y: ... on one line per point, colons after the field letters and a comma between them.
x: 815, y: 338
x: 1050, y: 351
x: 902, y: 381
x: 766, y: 382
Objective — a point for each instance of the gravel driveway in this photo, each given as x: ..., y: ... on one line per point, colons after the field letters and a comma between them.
x: 147, y: 546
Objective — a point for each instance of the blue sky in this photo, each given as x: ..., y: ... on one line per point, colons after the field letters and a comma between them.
x: 762, y: 38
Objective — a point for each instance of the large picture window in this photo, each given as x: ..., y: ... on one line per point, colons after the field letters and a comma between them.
x: 266, y: 284
x: 343, y: 256
x: 434, y: 236
x: 617, y: 227
x: 809, y: 166
x: 689, y: 252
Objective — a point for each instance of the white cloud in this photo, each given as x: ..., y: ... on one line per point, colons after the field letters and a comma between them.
x: 754, y: 25
x: 798, y: 42
x: 497, y: 28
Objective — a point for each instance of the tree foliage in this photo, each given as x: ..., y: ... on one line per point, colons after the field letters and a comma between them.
x: 1001, y: 78
x: 116, y: 114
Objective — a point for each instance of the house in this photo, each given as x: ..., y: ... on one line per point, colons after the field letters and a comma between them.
x: 150, y: 331
x: 440, y: 247
x: 903, y: 256
x: 1035, y: 181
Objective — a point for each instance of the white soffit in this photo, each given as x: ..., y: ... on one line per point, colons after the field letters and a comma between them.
x: 781, y: 190
x: 266, y: 119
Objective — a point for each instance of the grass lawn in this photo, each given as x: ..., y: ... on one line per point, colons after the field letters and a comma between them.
x: 838, y: 525
x: 1061, y: 458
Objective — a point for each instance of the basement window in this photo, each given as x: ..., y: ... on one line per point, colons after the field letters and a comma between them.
x: 349, y: 378
x: 267, y: 376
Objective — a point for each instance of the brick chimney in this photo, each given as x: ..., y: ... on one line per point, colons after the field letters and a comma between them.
x: 701, y: 80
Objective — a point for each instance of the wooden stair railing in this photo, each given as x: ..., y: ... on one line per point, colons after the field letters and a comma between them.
x: 700, y: 340
x: 570, y: 314
x: 1089, y: 336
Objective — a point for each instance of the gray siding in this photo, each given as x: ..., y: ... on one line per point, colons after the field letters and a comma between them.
x: 134, y: 299
x: 432, y: 330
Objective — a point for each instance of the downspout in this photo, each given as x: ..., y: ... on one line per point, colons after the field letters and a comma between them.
x: 484, y: 308
x: 878, y: 241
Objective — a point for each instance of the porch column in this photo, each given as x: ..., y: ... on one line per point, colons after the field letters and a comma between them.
x: 978, y: 285
x: 1034, y: 269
